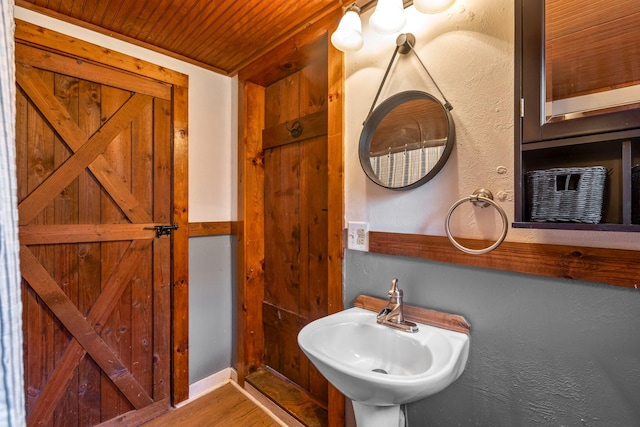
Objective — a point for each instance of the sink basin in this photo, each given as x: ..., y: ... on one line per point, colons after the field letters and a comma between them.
x: 377, y: 365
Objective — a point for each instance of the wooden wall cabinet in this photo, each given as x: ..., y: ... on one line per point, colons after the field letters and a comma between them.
x: 611, y: 140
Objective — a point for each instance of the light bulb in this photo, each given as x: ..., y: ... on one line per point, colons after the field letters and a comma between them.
x: 432, y: 6
x: 388, y: 18
x: 348, y: 35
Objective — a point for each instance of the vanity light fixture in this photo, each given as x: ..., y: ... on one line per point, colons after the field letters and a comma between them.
x: 432, y: 6
x: 348, y: 35
x: 387, y: 18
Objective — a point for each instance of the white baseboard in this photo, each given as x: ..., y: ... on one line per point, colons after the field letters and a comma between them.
x: 210, y: 383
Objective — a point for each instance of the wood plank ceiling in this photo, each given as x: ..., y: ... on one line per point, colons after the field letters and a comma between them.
x: 220, y: 35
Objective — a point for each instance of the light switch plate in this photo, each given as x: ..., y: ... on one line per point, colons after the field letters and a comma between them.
x: 358, y: 236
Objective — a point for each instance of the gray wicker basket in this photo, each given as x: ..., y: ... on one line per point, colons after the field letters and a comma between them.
x: 635, y: 194
x: 566, y: 194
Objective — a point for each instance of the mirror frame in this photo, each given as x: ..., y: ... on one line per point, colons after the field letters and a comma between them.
x: 376, y: 117
x: 529, y: 77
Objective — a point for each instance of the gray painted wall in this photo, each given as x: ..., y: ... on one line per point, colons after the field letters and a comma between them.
x: 211, y: 306
x: 544, y: 352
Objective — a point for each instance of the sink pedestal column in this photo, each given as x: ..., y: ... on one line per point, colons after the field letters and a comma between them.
x: 377, y: 416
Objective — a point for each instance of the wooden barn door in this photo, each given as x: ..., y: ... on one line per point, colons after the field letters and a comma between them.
x: 296, y: 220
x: 94, y: 162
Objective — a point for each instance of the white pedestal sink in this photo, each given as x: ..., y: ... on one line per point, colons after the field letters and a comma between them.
x: 380, y: 368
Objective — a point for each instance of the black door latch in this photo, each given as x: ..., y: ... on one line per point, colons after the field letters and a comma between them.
x: 163, y: 230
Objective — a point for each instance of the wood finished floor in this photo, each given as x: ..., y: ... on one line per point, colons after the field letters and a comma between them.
x: 290, y: 397
x: 225, y: 406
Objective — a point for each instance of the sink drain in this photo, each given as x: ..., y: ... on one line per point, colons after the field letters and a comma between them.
x: 380, y: 371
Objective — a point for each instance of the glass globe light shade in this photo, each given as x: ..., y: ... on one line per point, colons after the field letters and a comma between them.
x: 348, y: 35
x: 432, y: 6
x: 388, y: 18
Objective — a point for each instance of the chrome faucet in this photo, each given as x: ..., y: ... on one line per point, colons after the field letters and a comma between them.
x: 393, y: 315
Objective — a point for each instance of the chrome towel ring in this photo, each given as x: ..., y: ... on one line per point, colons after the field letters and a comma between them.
x: 482, y: 198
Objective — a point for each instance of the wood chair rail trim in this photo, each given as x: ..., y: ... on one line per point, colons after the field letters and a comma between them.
x: 218, y: 228
x: 617, y: 267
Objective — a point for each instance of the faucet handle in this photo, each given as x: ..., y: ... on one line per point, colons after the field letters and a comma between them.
x: 395, y: 289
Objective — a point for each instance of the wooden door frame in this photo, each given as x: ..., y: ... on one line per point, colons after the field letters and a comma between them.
x: 288, y: 58
x: 46, y: 39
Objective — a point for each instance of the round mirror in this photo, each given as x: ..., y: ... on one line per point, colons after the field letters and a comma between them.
x: 406, y: 140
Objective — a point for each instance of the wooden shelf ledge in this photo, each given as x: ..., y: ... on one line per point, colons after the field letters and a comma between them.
x: 452, y: 322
